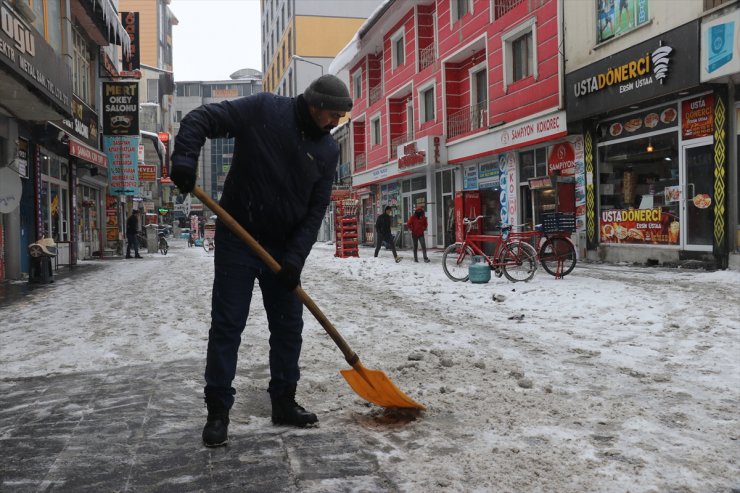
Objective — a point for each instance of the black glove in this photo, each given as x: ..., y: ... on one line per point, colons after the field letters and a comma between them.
x: 289, y: 276
x: 184, y: 177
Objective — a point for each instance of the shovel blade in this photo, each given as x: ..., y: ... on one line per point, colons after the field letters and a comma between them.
x: 375, y: 386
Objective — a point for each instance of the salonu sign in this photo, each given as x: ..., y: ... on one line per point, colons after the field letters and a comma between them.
x: 660, y: 66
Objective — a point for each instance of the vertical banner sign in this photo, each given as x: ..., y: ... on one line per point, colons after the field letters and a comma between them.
x: 120, y: 108
x: 111, y: 218
x: 123, y: 159
x: 165, y: 138
x: 121, y: 135
x: 130, y: 21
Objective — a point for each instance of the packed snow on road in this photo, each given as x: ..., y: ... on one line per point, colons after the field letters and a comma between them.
x: 616, y: 378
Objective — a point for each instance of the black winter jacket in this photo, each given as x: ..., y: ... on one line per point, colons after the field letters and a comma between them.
x: 383, y: 226
x: 279, y: 184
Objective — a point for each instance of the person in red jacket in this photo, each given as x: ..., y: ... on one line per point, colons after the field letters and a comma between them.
x: 417, y: 224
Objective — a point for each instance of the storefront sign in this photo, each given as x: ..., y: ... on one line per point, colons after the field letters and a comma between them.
x: 122, y: 153
x: 29, y: 57
x: 719, y: 46
x: 130, y: 21
x: 21, y: 160
x: 639, y: 226
x: 120, y: 108
x: 562, y: 158
x: 108, y: 67
x: 423, y: 151
x: 470, y: 177
x: 639, y: 123
x: 80, y: 150
x: 657, y: 67
x: 697, y: 117
x: 147, y: 173
x: 84, y: 123
x: 540, y: 183
x: 531, y: 131
x: 489, y: 175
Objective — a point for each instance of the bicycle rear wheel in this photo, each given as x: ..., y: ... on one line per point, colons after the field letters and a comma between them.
x: 206, y: 244
x: 456, y: 260
x: 558, y: 256
x: 518, y: 261
x: 163, y: 246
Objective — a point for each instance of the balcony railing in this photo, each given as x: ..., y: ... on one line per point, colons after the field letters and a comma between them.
x: 360, y: 162
x: 467, y: 119
x: 375, y: 93
x: 426, y: 57
x: 501, y: 7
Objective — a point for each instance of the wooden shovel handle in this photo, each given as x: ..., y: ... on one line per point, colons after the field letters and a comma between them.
x: 238, y: 230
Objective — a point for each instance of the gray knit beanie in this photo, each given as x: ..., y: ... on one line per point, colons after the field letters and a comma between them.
x: 328, y: 92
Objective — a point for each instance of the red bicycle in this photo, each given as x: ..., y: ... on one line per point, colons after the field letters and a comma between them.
x: 555, y: 250
x: 513, y: 258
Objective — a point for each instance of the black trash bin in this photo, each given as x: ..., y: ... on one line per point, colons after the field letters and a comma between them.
x: 41, y: 253
x: 40, y: 270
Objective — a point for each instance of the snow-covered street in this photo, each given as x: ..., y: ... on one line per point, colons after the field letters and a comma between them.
x: 613, y: 379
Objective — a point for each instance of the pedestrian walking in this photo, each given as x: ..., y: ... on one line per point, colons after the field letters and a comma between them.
x: 278, y: 189
x: 132, y: 228
x: 383, y: 232
x: 417, y: 224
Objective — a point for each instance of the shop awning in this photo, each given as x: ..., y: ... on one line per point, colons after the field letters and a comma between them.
x: 87, y: 153
x: 108, y: 18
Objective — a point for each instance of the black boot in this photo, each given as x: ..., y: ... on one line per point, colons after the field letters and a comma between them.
x: 215, y: 432
x: 286, y: 411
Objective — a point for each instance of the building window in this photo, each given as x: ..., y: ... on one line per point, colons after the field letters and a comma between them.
x: 375, y: 131
x: 479, y: 96
x: 48, y: 21
x: 458, y: 9
x: 357, y: 84
x: 81, y: 68
x: 519, y: 53
x: 398, y: 48
x: 614, y: 18
x: 152, y: 91
x: 426, y: 108
x: 521, y: 50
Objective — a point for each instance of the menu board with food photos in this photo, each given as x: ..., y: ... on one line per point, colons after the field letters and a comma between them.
x: 697, y: 117
x: 639, y: 226
x: 640, y: 123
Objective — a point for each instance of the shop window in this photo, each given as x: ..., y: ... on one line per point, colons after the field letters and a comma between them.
x: 532, y: 163
x: 152, y: 91
x: 519, y: 53
x: 617, y: 17
x: 632, y: 177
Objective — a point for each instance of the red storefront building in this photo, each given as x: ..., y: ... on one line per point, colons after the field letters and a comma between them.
x: 457, y: 105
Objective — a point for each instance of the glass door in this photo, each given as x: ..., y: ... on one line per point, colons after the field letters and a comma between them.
x: 698, y: 203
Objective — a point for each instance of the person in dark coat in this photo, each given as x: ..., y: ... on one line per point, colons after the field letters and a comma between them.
x: 383, y: 232
x: 132, y: 227
x: 278, y: 189
x: 417, y: 224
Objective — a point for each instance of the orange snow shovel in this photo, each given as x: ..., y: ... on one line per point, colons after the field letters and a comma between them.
x: 372, y: 385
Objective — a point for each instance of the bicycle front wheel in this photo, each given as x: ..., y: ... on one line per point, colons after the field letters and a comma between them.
x: 518, y: 261
x: 558, y: 256
x: 163, y: 247
x: 206, y: 245
x: 456, y: 260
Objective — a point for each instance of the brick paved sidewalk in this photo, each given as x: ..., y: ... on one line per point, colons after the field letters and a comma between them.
x: 138, y: 429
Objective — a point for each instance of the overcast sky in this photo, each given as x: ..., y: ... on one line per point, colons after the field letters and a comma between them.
x: 215, y: 38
